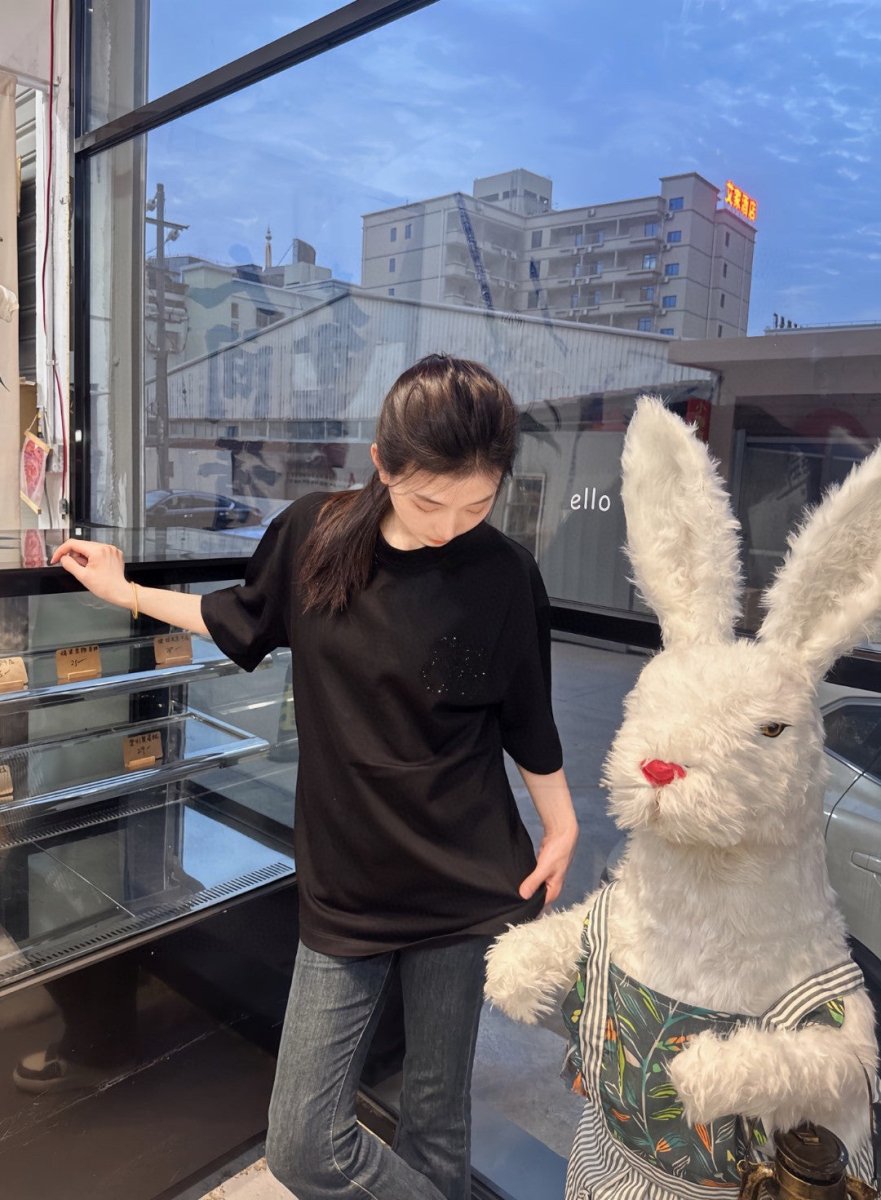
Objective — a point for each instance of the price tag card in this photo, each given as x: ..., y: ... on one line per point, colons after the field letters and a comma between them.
x: 141, y: 750
x: 13, y: 675
x: 77, y: 662
x: 5, y: 783
x: 173, y: 648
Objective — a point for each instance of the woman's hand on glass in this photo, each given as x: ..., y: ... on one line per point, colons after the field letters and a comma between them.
x: 98, y: 567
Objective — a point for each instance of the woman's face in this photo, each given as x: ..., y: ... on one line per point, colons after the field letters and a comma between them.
x: 431, y: 510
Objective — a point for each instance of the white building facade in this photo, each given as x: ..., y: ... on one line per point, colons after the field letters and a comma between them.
x: 676, y: 263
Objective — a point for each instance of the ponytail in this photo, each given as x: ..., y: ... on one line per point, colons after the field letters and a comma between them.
x: 338, y: 553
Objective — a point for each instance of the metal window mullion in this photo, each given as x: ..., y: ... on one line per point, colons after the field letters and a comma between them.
x: 81, y: 408
x: 80, y: 64
x: 343, y: 25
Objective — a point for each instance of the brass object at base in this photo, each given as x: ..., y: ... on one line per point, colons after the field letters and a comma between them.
x: 752, y: 1178
x: 810, y: 1164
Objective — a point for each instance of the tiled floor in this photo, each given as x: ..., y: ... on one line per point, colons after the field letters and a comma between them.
x: 253, y: 1183
x: 517, y: 1068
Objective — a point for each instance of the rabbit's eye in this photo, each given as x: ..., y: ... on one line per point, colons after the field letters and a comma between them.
x: 773, y: 728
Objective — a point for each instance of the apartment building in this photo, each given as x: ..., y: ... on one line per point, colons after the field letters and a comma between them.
x: 677, y: 263
x: 195, y: 306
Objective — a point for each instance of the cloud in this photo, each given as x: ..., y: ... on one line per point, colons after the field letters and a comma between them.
x: 779, y: 94
x: 850, y: 155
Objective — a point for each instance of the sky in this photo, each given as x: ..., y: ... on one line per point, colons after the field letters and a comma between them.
x: 782, y: 96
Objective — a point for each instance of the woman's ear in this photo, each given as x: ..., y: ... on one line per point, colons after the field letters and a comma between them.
x: 383, y: 474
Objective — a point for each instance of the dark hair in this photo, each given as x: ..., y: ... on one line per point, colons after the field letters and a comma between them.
x: 446, y: 416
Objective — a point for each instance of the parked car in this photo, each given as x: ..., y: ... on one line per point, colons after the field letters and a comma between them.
x: 852, y: 810
x: 256, y: 532
x: 852, y: 807
x: 199, y: 510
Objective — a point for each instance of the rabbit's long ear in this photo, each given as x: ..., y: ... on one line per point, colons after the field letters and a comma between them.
x: 682, y: 537
x: 827, y: 594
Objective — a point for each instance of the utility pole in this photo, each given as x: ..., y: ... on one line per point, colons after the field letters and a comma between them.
x: 157, y: 205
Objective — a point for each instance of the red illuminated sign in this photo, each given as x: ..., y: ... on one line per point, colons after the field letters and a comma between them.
x: 745, y: 204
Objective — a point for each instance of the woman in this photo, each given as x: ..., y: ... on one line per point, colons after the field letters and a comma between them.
x: 421, y: 650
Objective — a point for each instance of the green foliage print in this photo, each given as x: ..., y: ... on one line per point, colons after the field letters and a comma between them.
x: 644, y: 1031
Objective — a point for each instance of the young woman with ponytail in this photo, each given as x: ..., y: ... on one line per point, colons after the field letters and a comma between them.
x: 420, y: 645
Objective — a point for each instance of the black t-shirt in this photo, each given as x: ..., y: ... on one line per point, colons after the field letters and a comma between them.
x: 406, y: 829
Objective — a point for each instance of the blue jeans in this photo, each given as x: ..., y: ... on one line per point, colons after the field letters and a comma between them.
x: 315, y: 1145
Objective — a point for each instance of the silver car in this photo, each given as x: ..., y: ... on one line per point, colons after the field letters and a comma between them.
x: 852, y: 807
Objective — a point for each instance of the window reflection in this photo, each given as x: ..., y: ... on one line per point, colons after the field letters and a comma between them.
x: 139, y: 52
x: 463, y: 180
x: 270, y: 331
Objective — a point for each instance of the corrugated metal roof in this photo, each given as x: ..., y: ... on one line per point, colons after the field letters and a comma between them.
x: 339, y: 359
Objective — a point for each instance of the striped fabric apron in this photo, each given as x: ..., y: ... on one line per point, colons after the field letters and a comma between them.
x: 632, y: 1142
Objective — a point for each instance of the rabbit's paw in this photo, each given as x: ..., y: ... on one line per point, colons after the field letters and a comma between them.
x: 699, y: 1074
x: 530, y: 967
x: 781, y: 1076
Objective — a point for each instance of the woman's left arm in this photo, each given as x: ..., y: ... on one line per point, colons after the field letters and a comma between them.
x: 550, y: 795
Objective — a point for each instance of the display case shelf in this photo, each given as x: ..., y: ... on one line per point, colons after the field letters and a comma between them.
x: 53, y: 773
x: 118, y: 677
x: 143, y: 800
x: 74, y: 891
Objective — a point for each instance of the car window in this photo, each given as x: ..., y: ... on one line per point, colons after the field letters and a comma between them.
x: 853, y: 732
x: 172, y: 504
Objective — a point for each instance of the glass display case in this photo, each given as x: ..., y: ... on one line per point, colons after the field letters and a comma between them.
x: 138, y: 781
x: 147, y: 879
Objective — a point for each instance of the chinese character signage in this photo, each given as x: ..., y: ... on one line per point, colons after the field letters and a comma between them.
x: 745, y: 204
x: 78, y: 662
x: 142, y: 750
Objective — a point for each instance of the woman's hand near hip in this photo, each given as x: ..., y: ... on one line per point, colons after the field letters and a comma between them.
x: 550, y: 795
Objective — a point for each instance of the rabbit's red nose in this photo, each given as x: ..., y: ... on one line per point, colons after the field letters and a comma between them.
x: 660, y: 773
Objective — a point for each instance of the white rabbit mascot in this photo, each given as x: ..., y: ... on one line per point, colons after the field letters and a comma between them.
x: 715, y: 999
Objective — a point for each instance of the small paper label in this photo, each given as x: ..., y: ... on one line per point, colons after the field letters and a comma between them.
x: 13, y: 675
x: 173, y: 648
x: 141, y: 750
x: 78, y: 662
x: 5, y: 783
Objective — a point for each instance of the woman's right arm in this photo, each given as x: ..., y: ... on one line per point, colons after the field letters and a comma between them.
x: 101, y: 569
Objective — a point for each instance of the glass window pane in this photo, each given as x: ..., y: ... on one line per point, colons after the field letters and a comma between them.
x: 786, y: 450
x: 138, y: 52
x: 853, y: 731
x: 265, y: 310
x: 263, y: 269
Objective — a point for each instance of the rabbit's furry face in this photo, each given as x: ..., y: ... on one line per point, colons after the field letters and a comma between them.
x: 711, y: 711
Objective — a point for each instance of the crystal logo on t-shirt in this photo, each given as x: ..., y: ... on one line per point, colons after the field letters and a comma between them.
x: 456, y: 668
